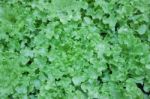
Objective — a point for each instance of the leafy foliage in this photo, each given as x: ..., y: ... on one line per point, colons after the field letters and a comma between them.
x: 74, y: 49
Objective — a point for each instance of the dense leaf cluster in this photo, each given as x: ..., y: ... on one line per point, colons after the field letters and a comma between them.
x: 74, y: 49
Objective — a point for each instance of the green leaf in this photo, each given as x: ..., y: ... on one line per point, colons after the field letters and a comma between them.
x: 77, y: 80
x: 142, y: 29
